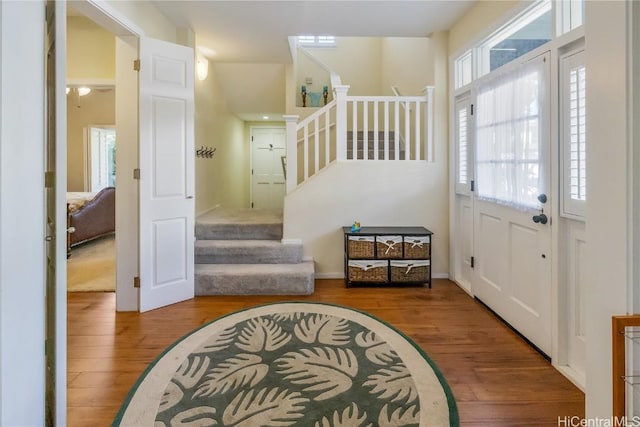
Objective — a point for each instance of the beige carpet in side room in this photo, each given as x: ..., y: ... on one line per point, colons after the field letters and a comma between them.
x: 92, y: 266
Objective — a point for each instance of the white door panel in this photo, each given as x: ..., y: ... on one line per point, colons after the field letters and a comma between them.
x: 166, y: 174
x: 267, y: 179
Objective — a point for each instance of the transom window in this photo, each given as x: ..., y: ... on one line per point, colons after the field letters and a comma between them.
x: 317, y: 41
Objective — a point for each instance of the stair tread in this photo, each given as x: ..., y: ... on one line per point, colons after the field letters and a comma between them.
x: 240, y: 243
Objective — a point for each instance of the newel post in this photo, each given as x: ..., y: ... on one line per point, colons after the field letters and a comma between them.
x: 292, y: 152
x: 429, y: 130
x: 341, y: 121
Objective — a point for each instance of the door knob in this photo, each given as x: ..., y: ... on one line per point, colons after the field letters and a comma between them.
x: 542, y: 219
x: 542, y: 198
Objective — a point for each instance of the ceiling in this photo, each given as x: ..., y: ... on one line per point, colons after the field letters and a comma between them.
x: 257, y: 31
x: 251, y: 38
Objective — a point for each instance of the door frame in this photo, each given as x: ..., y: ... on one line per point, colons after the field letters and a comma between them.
x: 127, y: 35
x: 251, y: 128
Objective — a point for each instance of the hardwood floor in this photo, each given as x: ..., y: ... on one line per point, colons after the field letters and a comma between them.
x: 497, y: 379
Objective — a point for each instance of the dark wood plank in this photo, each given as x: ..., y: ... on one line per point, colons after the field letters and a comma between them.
x: 498, y: 379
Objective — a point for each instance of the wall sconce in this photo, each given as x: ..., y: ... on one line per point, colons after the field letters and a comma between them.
x: 82, y: 91
x: 202, y: 67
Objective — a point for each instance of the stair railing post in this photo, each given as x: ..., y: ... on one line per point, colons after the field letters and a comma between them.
x: 341, y: 121
x: 429, y: 128
x: 292, y: 151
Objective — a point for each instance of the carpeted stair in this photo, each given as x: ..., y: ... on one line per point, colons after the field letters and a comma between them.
x: 239, y: 252
x: 359, y: 154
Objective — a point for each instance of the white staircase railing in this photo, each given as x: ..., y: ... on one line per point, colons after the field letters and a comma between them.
x: 359, y: 128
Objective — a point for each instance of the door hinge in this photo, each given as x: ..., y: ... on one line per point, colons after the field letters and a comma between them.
x: 49, y: 179
x: 136, y: 173
x: 473, y: 185
x: 136, y: 282
x: 251, y: 171
x: 251, y: 139
x: 473, y: 262
x: 136, y: 65
x: 472, y: 109
x: 251, y: 204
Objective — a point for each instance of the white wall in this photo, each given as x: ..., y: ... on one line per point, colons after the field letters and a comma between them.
x: 374, y: 193
x: 21, y: 214
x: 608, y: 230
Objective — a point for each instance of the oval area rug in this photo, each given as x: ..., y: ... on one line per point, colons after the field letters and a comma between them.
x: 291, y: 364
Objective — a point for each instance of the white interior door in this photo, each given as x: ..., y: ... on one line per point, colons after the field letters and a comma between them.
x: 512, y: 252
x: 268, y: 145
x: 166, y: 173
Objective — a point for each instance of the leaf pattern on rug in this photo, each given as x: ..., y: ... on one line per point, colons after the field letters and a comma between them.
x: 262, y: 334
x: 200, y: 416
x: 264, y: 408
x: 324, y: 329
x: 377, y: 351
x: 322, y: 369
x: 393, y: 383
x: 296, y: 315
x: 291, y: 369
x: 191, y: 370
x: 350, y: 417
x: 171, y: 396
x: 233, y: 373
x: 217, y: 342
x: 400, y: 417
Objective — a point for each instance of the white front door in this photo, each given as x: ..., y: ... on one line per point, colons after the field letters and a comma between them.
x: 167, y: 203
x: 268, y: 146
x: 512, y: 251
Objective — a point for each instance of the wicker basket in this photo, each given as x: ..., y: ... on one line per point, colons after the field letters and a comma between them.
x: 410, y: 271
x: 361, y: 246
x: 417, y: 247
x: 389, y: 246
x: 368, y: 271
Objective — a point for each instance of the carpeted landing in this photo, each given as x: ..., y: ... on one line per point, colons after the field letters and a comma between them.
x: 239, y: 252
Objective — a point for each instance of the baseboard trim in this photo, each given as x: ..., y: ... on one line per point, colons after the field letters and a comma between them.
x: 330, y: 275
x: 576, y: 377
x: 216, y: 206
x: 293, y: 242
x: 340, y: 275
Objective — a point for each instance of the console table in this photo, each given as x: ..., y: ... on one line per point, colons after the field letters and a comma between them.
x: 387, y: 256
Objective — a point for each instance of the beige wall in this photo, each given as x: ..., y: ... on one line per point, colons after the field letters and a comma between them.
x: 407, y: 63
x: 90, y: 58
x: 386, y: 193
x: 147, y: 17
x: 356, y: 59
x: 90, y: 51
x: 223, y: 179
x: 97, y: 108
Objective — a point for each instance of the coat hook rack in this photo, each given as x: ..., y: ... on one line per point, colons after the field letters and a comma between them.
x: 205, y: 152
